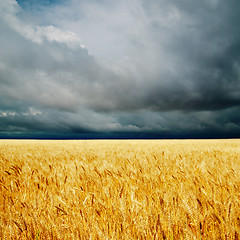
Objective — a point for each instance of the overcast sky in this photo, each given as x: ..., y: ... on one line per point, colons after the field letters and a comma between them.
x: 124, y: 69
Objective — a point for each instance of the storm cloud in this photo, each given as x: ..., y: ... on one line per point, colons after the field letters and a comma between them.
x: 92, y: 69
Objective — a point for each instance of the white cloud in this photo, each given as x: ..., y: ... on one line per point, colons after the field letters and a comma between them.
x: 32, y: 112
x: 52, y: 34
x: 35, y: 33
x: 5, y: 114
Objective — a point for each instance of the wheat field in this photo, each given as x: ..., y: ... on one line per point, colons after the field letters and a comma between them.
x: 120, y: 189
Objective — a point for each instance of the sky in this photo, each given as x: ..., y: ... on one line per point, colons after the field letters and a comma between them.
x: 119, y: 69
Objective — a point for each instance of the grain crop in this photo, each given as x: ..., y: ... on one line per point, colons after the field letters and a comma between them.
x: 120, y: 189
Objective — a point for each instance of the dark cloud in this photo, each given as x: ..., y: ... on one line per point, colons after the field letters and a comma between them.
x: 149, y: 69
x: 207, y: 50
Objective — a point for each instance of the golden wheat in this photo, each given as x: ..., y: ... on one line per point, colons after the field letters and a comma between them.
x: 171, y: 189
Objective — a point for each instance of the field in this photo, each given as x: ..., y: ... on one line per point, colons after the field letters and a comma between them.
x: 132, y: 189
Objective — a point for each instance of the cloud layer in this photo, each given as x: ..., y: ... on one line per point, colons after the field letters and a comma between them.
x: 101, y: 68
